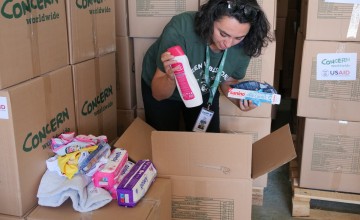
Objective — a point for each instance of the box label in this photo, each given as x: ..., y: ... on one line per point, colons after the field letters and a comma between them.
x: 336, y: 66
x: 344, y: 1
x: 4, y: 110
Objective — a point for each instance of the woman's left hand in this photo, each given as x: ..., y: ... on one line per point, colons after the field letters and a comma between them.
x: 246, y: 105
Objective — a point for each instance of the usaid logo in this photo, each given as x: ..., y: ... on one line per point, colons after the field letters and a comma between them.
x: 2, y: 107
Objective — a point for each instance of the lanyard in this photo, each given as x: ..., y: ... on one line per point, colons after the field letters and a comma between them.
x: 215, y: 85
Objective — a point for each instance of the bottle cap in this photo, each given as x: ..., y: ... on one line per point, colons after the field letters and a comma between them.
x: 176, y: 50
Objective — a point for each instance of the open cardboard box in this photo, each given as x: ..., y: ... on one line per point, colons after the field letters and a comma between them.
x: 154, y: 206
x: 211, y: 173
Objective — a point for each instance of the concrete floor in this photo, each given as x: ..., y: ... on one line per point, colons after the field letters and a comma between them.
x: 277, y: 200
x: 277, y: 204
x: 277, y: 197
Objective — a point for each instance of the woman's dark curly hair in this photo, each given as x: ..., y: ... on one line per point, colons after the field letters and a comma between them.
x: 245, y: 11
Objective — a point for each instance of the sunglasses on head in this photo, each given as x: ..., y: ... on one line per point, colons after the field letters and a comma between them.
x: 249, y: 12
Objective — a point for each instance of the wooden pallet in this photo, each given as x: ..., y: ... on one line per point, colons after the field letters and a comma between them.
x: 302, y: 197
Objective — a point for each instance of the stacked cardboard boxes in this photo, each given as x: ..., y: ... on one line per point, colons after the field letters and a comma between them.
x: 92, y: 45
x: 36, y: 97
x: 39, y: 40
x: 328, y: 96
x: 125, y: 74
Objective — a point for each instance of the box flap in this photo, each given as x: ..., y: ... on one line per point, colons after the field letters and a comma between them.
x: 137, y: 140
x: 272, y: 151
x: 202, y: 154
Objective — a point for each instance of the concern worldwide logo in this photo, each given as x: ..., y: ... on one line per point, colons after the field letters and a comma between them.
x: 83, y: 4
x: 10, y: 9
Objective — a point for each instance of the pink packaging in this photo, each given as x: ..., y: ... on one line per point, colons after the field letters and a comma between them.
x: 124, y: 171
x: 106, y: 177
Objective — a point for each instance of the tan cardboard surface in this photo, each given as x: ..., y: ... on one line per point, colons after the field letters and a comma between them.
x: 211, y: 198
x: 156, y: 205
x: 256, y: 127
x: 148, y: 18
x: 125, y: 118
x: 125, y: 75
x: 142, y: 210
x: 8, y: 217
x: 230, y: 109
x: 297, y: 65
x: 330, y: 155
x: 39, y: 109
x: 200, y: 154
x: 207, y: 169
x: 142, y: 141
x: 141, y: 45
x: 272, y: 151
x: 32, y: 42
x: 91, y: 29
x: 327, y: 99
x: 121, y: 18
x: 330, y: 21
x: 137, y: 140
x: 262, y: 68
x: 95, y: 96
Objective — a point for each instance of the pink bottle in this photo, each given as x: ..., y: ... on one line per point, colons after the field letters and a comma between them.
x: 185, y: 80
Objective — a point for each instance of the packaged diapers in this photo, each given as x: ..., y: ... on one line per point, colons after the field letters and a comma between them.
x: 107, y: 176
x: 136, y: 183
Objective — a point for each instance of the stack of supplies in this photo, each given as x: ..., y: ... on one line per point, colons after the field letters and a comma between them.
x: 91, y: 173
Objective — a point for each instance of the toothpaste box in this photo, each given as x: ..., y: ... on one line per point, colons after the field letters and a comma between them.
x: 128, y: 166
x: 136, y: 183
x: 107, y: 175
x: 254, y: 95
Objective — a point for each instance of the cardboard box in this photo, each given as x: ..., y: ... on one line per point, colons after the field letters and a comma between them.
x: 8, y: 217
x: 121, y: 18
x: 262, y: 68
x: 91, y: 29
x: 297, y: 65
x: 256, y: 127
x: 125, y: 118
x: 140, y: 112
x: 330, y: 155
x: 125, y: 73
x: 323, y: 20
x: 33, y: 41
x: 141, y: 45
x: 230, y: 109
x: 156, y: 205
x: 95, y: 96
x: 148, y: 18
x: 31, y: 114
x: 280, y: 39
x: 328, y: 99
x: 282, y: 8
x: 211, y: 170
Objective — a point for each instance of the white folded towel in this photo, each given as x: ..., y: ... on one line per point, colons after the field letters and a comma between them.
x: 54, y: 190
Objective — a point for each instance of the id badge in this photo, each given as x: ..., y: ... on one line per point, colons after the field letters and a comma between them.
x: 203, y: 120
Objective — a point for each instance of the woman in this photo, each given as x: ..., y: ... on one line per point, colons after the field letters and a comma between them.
x: 219, y: 41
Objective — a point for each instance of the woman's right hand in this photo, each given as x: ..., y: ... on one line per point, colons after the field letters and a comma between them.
x: 168, y: 60
x: 163, y: 84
